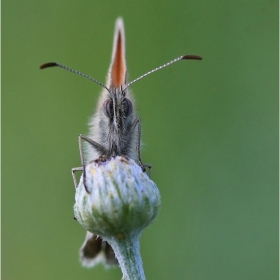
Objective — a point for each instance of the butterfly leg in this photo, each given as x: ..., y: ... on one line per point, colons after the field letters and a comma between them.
x: 150, y: 169
x: 138, y: 151
x: 73, y: 170
x: 143, y: 166
x: 97, y: 146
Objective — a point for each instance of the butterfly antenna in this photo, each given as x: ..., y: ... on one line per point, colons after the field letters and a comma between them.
x: 190, y: 56
x: 52, y: 64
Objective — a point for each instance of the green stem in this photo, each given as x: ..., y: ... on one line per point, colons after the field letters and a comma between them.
x: 127, y: 251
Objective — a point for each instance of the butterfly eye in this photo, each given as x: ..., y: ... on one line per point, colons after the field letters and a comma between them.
x: 127, y: 107
x: 108, y: 108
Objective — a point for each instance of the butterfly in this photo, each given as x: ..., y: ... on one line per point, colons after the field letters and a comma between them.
x: 115, y: 130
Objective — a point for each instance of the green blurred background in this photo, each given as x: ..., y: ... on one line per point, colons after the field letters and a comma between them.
x: 210, y: 130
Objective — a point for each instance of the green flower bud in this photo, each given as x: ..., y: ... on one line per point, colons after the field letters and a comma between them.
x: 122, y: 200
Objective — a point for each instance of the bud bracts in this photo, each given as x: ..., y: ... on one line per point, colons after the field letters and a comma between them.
x: 121, y: 200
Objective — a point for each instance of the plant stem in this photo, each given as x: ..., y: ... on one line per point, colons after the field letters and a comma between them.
x: 127, y: 251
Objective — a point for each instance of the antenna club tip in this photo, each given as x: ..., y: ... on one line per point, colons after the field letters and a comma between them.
x: 48, y: 64
x: 192, y: 56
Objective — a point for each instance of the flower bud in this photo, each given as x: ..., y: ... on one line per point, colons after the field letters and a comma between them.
x: 121, y: 198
